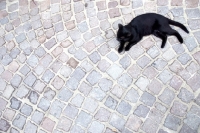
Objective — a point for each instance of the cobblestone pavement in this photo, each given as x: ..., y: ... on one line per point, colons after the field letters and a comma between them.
x: 60, y: 70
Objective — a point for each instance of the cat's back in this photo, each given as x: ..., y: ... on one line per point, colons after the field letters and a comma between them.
x: 148, y: 18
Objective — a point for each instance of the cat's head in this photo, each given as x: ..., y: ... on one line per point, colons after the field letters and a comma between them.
x: 123, y: 33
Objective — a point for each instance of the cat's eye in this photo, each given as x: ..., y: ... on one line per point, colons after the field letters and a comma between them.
x: 122, y: 37
x: 129, y: 34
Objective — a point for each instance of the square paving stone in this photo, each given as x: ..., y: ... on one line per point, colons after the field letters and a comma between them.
x: 15, y: 103
x: 70, y: 111
x: 167, y: 96
x: 141, y: 111
x: 105, y: 84
x: 44, y: 104
x: 132, y: 95
x: 33, y: 97
x: 72, y: 83
x: 64, y: 124
x: 150, y: 126
x: 115, y: 71
x: 178, y: 109
x: 56, y: 108
x: 124, y: 108
x: 77, y: 100
x: 90, y: 105
x: 26, y: 110
x: 19, y: 121
x: 77, y: 129
x: 186, y: 129
x: 137, y: 123
x: 30, y: 127
x: 172, y: 122
x: 147, y: 98
x: 117, y: 122
x: 83, y: 119
x: 37, y: 117
x: 30, y: 79
x: 111, y: 103
x: 102, y: 115
x: 93, y: 77
x: 48, y: 124
x: 125, y: 80
x: 97, y: 94
x: 96, y: 127
x: 191, y: 119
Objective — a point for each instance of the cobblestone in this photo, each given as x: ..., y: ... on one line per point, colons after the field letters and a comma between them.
x: 172, y: 122
x: 149, y: 126
x: 117, y: 122
x: 124, y: 108
x: 19, y: 121
x: 48, y: 124
x: 83, y: 119
x: 60, y: 70
x: 77, y: 100
x: 37, y: 117
x: 147, y: 99
x: 111, y: 102
x: 141, y: 111
x: 167, y: 96
x: 33, y: 97
x: 26, y: 110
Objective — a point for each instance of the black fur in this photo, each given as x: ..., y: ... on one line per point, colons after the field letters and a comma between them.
x: 147, y: 24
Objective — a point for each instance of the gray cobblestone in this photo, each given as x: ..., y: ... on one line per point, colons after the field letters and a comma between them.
x: 19, y: 121
x: 37, y: 117
x: 191, y: 119
x: 30, y: 79
x: 70, y: 111
x: 150, y: 126
x: 111, y: 102
x: 105, y: 84
x: 102, y: 115
x: 96, y: 127
x: 26, y: 109
x: 93, y: 77
x: 4, y: 125
x: 172, y: 122
x: 30, y: 128
x: 147, y: 98
x: 83, y: 119
x: 64, y: 94
x: 33, y: 97
x: 77, y: 129
x: 56, y: 108
x: 60, y: 68
x: 124, y: 108
x: 125, y: 80
x: 15, y: 103
x: 141, y: 111
x: 47, y: 76
x: 117, y: 122
x: 185, y: 95
x: 117, y: 91
x: 97, y: 94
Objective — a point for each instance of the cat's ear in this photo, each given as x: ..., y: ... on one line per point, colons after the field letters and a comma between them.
x: 120, y: 25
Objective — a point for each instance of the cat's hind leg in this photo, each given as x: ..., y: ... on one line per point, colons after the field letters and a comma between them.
x: 161, y: 36
x: 170, y: 31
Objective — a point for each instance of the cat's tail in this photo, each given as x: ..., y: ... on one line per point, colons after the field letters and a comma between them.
x: 172, y: 22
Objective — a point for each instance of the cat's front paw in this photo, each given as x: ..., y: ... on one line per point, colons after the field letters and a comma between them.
x: 127, y: 48
x: 120, y: 50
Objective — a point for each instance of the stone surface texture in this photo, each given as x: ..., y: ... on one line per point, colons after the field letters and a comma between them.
x: 60, y: 71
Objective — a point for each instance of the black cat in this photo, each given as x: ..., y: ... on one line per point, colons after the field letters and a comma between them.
x: 147, y: 24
